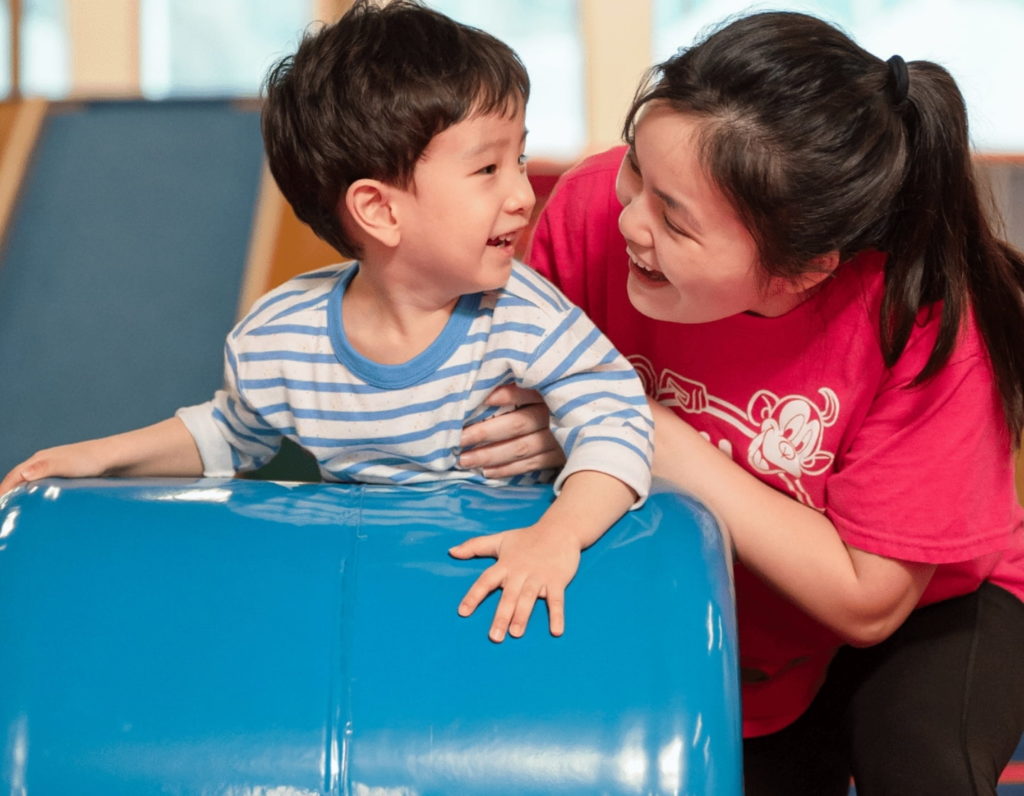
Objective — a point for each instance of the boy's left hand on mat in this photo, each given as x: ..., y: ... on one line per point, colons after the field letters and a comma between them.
x: 532, y: 563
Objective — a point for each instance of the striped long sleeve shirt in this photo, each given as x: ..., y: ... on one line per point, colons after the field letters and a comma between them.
x: 291, y: 372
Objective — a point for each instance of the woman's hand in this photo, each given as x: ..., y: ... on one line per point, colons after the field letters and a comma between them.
x: 513, y: 443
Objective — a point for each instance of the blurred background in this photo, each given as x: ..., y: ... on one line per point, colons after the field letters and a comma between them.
x: 138, y: 223
x: 585, y: 55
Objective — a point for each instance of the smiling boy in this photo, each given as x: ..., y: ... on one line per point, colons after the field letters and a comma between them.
x: 398, y: 136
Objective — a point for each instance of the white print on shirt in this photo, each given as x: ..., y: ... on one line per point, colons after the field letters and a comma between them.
x: 785, y: 433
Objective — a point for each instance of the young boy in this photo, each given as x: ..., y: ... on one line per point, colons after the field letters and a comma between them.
x: 397, y: 135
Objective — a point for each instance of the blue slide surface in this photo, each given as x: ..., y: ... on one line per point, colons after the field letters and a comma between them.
x: 121, y: 270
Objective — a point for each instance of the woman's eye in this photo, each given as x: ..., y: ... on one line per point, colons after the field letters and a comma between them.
x: 673, y: 228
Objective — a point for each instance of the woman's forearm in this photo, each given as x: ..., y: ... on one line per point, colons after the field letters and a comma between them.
x: 861, y: 596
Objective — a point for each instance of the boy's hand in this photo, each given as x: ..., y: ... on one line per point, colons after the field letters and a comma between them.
x: 80, y: 460
x: 534, y: 562
x: 164, y: 448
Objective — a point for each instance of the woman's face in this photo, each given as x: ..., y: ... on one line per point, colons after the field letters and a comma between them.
x: 691, y: 258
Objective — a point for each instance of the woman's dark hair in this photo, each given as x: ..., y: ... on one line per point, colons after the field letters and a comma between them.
x: 823, y: 147
x: 363, y: 98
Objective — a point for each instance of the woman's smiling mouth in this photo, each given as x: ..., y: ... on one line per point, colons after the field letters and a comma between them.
x: 641, y: 270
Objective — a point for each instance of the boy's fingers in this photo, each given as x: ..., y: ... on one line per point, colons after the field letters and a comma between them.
x: 21, y: 474
x: 556, y: 610
x: 502, y: 617
x: 524, y: 607
x: 10, y: 481
x: 478, y: 547
x: 489, y: 580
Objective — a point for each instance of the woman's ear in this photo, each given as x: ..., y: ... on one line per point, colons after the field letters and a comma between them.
x: 368, y: 203
x: 821, y: 268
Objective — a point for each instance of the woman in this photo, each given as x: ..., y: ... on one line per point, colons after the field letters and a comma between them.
x: 802, y: 272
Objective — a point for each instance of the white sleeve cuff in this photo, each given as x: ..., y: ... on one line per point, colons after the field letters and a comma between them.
x: 214, y: 450
x: 629, y: 469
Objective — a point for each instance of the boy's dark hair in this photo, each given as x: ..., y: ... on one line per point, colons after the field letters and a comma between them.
x: 363, y: 98
x: 821, y: 146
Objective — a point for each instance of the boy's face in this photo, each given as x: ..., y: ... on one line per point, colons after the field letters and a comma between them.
x: 469, y: 202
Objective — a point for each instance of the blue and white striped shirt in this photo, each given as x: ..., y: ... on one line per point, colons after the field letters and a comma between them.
x: 291, y: 372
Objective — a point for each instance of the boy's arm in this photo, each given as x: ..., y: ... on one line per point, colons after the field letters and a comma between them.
x: 165, y: 448
x: 599, y: 412
x: 540, y: 560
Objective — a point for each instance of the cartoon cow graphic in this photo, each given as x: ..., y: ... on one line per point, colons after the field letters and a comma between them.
x: 785, y: 433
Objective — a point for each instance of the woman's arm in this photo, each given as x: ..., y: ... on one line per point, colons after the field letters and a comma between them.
x: 861, y: 596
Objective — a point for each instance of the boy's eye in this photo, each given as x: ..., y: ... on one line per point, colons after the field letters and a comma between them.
x: 491, y: 169
x: 523, y: 158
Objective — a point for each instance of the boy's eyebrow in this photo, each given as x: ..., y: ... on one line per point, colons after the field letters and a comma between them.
x: 487, y: 146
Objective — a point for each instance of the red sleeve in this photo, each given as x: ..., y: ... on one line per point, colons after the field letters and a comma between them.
x: 929, y: 475
x: 578, y: 231
x: 541, y: 253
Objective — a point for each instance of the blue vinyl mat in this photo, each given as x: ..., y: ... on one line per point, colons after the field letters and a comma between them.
x: 121, y: 270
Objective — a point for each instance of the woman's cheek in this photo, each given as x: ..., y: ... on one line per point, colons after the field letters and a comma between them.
x: 627, y: 184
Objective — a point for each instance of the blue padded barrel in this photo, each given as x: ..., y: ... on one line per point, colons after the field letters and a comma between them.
x: 241, y: 637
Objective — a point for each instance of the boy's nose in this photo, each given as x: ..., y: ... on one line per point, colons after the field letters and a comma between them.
x: 521, y: 199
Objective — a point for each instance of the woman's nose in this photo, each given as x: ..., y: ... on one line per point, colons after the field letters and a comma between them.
x: 633, y: 225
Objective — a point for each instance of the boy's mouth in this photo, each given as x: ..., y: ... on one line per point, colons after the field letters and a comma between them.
x: 502, y: 241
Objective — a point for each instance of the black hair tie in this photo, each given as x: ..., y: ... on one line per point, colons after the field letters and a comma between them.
x: 898, y: 81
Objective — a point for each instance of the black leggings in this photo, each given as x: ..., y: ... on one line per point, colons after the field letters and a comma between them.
x: 937, y: 708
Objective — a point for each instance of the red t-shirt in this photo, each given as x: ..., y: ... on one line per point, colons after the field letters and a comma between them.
x: 805, y: 402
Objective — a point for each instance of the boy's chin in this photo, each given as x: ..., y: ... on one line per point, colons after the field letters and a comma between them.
x: 495, y: 286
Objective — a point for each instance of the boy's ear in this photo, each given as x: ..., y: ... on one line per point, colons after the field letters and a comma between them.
x: 369, y: 206
x: 821, y: 268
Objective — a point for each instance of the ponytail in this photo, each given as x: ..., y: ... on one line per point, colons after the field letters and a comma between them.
x: 942, y: 247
